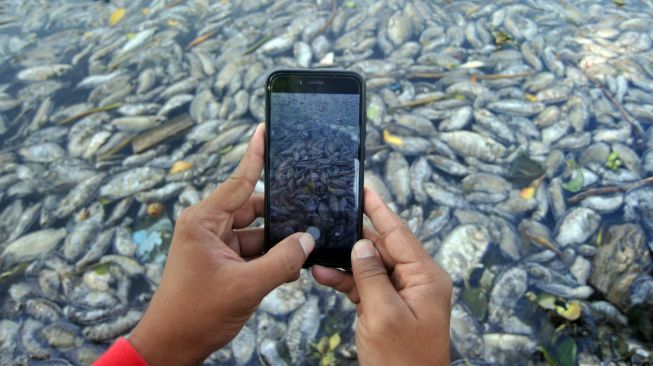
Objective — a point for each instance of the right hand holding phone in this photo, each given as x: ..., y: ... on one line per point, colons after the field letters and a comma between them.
x: 403, y: 298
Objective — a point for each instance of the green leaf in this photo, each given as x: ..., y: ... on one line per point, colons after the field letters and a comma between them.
x: 566, y: 352
x: 329, y: 359
x: 523, y: 170
x: 321, y: 346
x: 309, y: 188
x: 546, y: 301
x: 575, y: 183
x: 613, y: 161
x: 351, y: 4
x: 476, y: 301
x: 619, y: 2
x: 101, y: 269
x: 334, y: 341
x: 225, y: 150
x: 501, y: 38
x: 372, y: 112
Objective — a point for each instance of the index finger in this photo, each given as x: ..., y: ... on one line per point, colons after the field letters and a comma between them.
x: 380, y: 215
x: 395, y: 242
x: 232, y: 194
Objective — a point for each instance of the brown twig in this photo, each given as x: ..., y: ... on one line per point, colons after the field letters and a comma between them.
x: 623, y: 112
x: 608, y: 189
x: 638, y: 131
x: 331, y: 17
x: 437, y: 75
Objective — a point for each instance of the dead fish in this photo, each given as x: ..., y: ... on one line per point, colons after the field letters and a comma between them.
x: 79, y: 196
x: 174, y: 103
x: 31, y: 246
x: 469, y: 143
x: 577, y: 226
x: 132, y: 181
x: 466, y: 332
x: 516, y: 107
x: 283, y: 299
x: 40, y: 73
x: 84, y: 232
x: 137, y: 123
x: 42, y: 153
x: 302, y: 328
x: 26, y: 220
x: 461, y: 249
x: 109, y: 330
x: 398, y: 177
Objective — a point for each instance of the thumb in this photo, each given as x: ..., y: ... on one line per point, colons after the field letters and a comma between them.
x: 371, y: 277
x: 281, y: 263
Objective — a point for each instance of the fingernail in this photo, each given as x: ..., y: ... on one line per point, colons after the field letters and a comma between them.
x: 364, y: 249
x: 307, y: 242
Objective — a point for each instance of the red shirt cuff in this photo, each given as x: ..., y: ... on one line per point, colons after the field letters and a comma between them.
x: 121, y: 353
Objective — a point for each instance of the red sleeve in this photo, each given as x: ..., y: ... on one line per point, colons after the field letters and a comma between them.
x: 121, y: 353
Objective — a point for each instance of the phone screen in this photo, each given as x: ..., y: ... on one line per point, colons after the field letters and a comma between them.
x: 314, y: 162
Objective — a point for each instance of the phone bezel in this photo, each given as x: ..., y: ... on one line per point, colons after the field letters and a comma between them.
x: 330, y: 257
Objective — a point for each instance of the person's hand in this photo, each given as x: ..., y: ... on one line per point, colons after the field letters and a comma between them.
x: 403, y: 298
x: 215, y: 276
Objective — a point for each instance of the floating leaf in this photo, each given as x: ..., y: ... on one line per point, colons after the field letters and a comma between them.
x: 130, y: 36
x: 350, y: 4
x: 321, y: 346
x: 172, y: 23
x: 101, y: 269
x: 527, y: 193
x: 523, y: 170
x: 329, y: 359
x: 180, y: 166
x: 575, y: 183
x: 372, y: 112
x: 562, y: 351
x: 546, y: 301
x: 566, y: 352
x: 501, y: 38
x: 145, y: 11
x: 570, y: 311
x: 224, y: 151
x: 334, y: 341
x: 104, y: 201
x: 476, y: 301
x: 531, y: 98
x: 613, y: 161
x: 459, y: 97
x: 309, y: 188
x: 619, y: 2
x: 392, y: 139
x: 14, y: 270
x: 116, y: 16
x: 155, y: 209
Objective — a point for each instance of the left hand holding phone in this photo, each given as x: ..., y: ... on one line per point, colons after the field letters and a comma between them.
x: 216, y: 275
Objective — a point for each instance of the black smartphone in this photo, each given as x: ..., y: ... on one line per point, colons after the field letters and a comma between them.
x: 314, y: 155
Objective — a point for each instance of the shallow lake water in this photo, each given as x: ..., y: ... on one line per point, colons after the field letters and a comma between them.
x: 513, y: 137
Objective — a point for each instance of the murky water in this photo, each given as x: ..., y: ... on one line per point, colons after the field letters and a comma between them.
x: 514, y: 139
